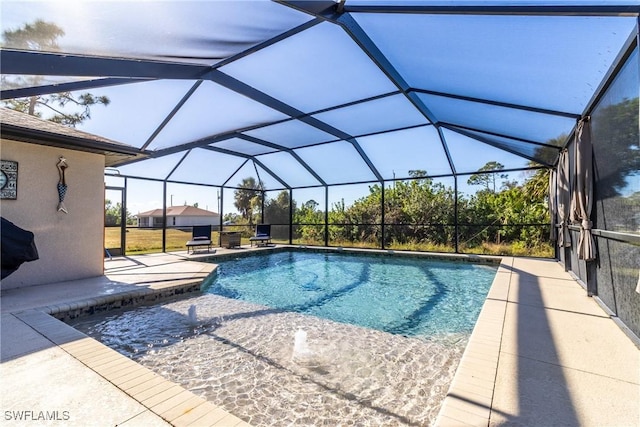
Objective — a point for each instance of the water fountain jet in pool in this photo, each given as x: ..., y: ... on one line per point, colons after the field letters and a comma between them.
x: 302, y: 354
x: 193, y: 316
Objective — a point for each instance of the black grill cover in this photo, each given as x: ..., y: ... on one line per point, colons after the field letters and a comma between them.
x: 16, y: 246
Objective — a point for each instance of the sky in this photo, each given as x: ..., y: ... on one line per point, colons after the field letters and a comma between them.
x: 519, y: 60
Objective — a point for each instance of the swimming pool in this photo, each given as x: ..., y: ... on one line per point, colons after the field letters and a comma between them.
x: 240, y: 355
x: 414, y: 296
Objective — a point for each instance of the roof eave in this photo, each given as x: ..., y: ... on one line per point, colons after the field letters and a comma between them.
x: 114, y: 153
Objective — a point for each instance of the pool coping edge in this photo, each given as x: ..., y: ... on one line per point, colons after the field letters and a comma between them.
x: 470, y: 396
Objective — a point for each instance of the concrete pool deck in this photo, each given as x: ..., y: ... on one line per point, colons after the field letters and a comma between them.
x: 542, y: 353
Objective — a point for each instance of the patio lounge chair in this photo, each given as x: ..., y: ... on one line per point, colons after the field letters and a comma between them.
x: 263, y: 235
x: 201, y: 237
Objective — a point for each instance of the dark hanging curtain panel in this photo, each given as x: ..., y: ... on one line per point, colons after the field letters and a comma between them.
x: 553, y: 205
x: 582, y: 201
x: 563, y: 199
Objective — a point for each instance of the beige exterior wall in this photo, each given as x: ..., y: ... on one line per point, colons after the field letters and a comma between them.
x: 70, y: 245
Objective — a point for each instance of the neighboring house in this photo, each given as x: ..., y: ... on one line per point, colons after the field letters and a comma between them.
x: 178, y: 216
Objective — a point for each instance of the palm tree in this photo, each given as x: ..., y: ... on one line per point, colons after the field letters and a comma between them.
x: 247, y: 197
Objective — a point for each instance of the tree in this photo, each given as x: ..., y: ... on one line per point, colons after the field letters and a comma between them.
x: 418, y: 173
x: 276, y: 211
x: 420, y: 213
x: 310, y: 205
x: 43, y: 36
x: 310, y: 222
x: 487, y: 176
x: 231, y: 218
x: 247, y: 198
x: 549, y: 155
x: 537, y: 185
x: 420, y: 210
x: 614, y: 129
x: 112, y: 214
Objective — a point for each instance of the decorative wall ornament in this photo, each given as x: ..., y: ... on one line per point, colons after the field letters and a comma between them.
x: 8, y: 179
x: 62, y: 185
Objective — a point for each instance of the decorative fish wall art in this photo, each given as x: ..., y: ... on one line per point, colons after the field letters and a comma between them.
x: 62, y: 185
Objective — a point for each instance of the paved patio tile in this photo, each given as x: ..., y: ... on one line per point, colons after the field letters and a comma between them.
x: 445, y: 421
x: 209, y: 419
x: 52, y: 380
x: 534, y: 393
x: 191, y: 418
x: 458, y: 417
x: 126, y: 375
x: 137, y: 386
x: 183, y: 408
x: 167, y: 405
x: 556, y: 360
x: 584, y: 342
x: 144, y: 419
x: 18, y: 339
x: 161, y: 396
x: 554, y: 294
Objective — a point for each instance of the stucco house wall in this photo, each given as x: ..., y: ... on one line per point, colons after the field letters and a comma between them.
x: 70, y: 245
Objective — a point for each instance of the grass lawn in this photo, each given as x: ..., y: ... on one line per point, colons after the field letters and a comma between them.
x: 141, y: 240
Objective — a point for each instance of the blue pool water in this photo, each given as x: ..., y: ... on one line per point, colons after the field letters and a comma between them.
x: 240, y: 355
x: 402, y: 295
